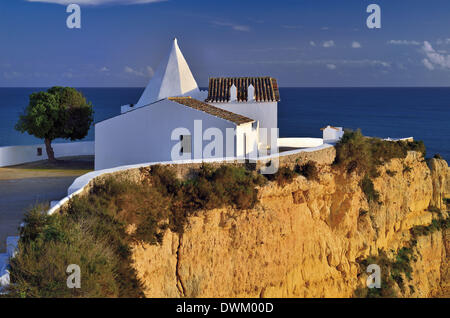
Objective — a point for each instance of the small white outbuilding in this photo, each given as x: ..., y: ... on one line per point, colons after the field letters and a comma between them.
x: 332, y: 134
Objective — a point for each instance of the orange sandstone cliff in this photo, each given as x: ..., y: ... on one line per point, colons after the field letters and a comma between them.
x: 307, y: 238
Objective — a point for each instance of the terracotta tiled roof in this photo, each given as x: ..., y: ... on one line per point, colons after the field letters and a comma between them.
x: 336, y: 128
x: 266, y: 89
x: 212, y: 110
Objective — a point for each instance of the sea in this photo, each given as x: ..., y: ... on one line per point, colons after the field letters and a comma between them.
x: 422, y: 113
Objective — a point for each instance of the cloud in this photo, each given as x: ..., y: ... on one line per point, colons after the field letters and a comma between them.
x: 445, y: 41
x: 428, y: 64
x: 331, y: 66
x: 312, y: 43
x: 336, y: 62
x: 11, y: 75
x: 146, y: 72
x: 403, y: 42
x: 328, y: 44
x: 292, y: 26
x: 434, y: 58
x: 97, y: 2
x: 356, y: 45
x: 233, y: 26
x: 104, y: 69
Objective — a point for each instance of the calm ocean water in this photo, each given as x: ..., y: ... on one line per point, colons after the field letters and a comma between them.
x: 423, y: 113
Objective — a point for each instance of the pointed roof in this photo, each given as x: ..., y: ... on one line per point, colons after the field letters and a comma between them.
x: 172, y: 78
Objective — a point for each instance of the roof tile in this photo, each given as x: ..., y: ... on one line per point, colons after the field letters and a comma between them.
x: 212, y: 110
x: 266, y: 89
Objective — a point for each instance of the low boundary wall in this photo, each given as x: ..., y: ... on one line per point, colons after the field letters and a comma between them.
x: 322, y: 155
x: 15, y: 155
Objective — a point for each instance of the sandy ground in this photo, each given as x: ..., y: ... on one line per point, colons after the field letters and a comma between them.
x: 25, y: 185
x: 64, y: 167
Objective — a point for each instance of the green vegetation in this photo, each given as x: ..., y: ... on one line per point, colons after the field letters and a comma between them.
x: 369, y: 190
x: 286, y: 175
x: 61, y: 112
x: 438, y: 156
x: 393, y: 270
x: 355, y: 152
x: 364, y: 155
x: 308, y: 170
x: 93, y: 231
x: 387, y: 283
x: 50, y: 243
x: 436, y: 225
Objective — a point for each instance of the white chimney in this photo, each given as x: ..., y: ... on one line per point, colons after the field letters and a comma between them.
x: 251, y: 93
x: 233, y: 93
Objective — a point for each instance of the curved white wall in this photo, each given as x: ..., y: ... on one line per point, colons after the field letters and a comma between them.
x: 300, y: 142
x: 15, y: 155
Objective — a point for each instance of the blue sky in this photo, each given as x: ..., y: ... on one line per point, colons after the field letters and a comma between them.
x: 299, y: 42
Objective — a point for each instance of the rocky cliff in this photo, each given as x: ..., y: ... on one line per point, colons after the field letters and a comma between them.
x: 308, y: 238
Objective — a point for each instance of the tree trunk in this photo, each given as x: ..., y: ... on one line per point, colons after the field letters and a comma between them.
x: 49, y: 149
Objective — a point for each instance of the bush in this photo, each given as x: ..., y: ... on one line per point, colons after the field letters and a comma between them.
x: 387, y: 283
x: 438, y: 156
x: 392, y: 272
x: 436, y: 225
x: 283, y: 176
x: 354, y: 152
x: 309, y: 170
x: 369, y: 190
x: 52, y: 243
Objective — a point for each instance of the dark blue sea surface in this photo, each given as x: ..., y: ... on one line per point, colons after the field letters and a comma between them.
x: 423, y: 113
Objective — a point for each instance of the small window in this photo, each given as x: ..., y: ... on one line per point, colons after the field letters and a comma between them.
x: 39, y: 151
x: 186, y: 143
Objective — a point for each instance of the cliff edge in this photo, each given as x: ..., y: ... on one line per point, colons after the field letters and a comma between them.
x: 312, y: 238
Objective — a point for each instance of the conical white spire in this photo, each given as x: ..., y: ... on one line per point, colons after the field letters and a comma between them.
x: 172, y: 78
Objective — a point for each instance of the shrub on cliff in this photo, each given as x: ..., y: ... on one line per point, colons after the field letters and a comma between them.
x: 48, y: 245
x: 392, y: 272
x: 369, y: 190
x: 355, y: 152
x: 283, y: 176
x: 308, y: 170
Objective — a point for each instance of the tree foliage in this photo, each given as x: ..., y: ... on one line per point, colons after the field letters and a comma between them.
x: 60, y: 112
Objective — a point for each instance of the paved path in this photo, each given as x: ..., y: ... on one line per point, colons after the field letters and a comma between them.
x: 16, y: 196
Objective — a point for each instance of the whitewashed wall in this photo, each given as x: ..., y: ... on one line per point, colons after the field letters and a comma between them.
x: 144, y: 134
x: 300, y: 142
x: 265, y: 113
x: 14, y: 155
x: 332, y: 135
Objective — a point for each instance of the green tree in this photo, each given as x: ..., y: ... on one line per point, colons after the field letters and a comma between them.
x: 61, y: 112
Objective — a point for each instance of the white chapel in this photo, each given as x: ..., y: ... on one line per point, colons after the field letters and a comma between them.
x: 175, y: 120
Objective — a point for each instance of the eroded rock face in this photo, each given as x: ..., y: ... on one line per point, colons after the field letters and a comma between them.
x: 441, y: 181
x: 303, y: 239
